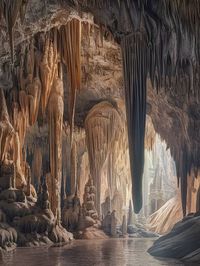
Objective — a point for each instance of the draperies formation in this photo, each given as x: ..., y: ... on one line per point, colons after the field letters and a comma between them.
x: 71, y: 57
x: 39, y: 94
x: 102, y: 125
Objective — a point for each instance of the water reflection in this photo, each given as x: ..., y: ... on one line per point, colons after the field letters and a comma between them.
x: 113, y: 252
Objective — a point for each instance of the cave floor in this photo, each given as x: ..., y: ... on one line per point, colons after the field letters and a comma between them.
x: 112, y: 252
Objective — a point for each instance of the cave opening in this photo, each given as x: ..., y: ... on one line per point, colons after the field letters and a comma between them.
x: 99, y: 131
x: 162, y: 202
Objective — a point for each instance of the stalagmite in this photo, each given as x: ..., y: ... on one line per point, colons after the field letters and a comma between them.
x: 17, y: 159
x: 113, y: 230
x: 124, y: 226
x: 55, y: 113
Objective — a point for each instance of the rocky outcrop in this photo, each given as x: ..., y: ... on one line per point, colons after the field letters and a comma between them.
x: 182, y: 242
x: 26, y: 219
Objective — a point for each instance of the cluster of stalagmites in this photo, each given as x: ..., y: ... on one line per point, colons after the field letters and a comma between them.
x: 112, y: 227
x: 25, y: 217
x: 82, y: 219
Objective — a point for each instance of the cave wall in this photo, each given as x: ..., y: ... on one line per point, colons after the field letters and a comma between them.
x: 100, y: 63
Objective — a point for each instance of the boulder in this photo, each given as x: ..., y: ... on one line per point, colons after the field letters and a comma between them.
x: 181, y: 243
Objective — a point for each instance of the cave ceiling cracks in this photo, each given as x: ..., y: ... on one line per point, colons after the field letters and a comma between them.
x: 159, y: 41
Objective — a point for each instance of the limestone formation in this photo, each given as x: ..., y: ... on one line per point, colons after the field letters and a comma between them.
x: 106, y: 223
x: 113, y: 230
x: 124, y: 226
x: 71, y: 213
x: 6, y: 129
x: 56, y: 110
x: 86, y: 87
x: 89, y: 200
x: 102, y: 125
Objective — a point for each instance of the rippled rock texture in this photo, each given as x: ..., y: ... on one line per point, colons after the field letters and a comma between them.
x: 182, y: 242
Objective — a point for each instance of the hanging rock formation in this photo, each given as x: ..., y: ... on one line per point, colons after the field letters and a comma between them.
x: 6, y: 129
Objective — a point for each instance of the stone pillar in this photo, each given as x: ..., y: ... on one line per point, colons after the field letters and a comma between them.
x: 124, y: 226
x: 113, y: 224
x: 55, y: 112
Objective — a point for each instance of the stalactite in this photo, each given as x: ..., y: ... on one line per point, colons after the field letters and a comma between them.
x: 55, y: 114
x: 71, y: 44
x: 48, y: 68
x: 6, y: 129
x: 134, y: 51
x: 34, y: 93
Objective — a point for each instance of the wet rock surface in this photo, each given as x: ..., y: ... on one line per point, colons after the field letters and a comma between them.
x: 182, y: 242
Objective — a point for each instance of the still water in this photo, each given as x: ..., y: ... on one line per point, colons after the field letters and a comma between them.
x: 112, y: 252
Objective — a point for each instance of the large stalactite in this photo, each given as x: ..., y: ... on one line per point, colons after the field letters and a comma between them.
x: 71, y: 57
x: 48, y: 68
x: 134, y: 49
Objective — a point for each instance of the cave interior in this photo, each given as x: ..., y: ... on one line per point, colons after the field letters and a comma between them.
x: 100, y: 123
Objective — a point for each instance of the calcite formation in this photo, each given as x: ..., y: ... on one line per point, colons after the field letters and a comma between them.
x: 74, y: 95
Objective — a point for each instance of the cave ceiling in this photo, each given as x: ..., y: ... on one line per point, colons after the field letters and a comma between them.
x: 160, y: 46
